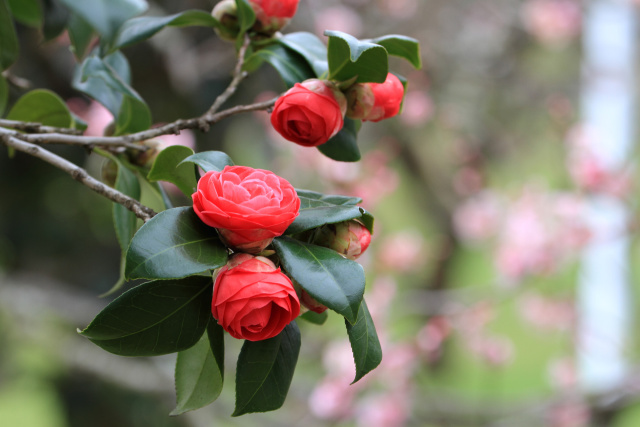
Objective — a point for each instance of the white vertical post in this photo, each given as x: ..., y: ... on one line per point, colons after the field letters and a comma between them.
x: 607, y: 107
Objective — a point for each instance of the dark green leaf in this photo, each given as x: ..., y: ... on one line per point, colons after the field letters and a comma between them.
x: 27, y: 12
x: 4, y: 94
x: 9, y: 47
x: 210, y: 160
x: 246, y: 16
x: 332, y: 280
x: 94, y: 67
x: 349, y: 57
x: 265, y: 370
x: 134, y: 116
x: 97, y: 88
x: 402, y: 46
x: 106, y: 16
x: 168, y: 166
x: 292, y: 67
x: 159, y: 317
x: 365, y: 345
x: 199, y: 375
x: 56, y: 17
x: 310, y: 47
x: 80, y: 34
x: 317, y: 209
x: 367, y: 220
x: 175, y: 243
x: 41, y: 106
x: 138, y: 29
x: 315, y: 318
x: 344, y: 146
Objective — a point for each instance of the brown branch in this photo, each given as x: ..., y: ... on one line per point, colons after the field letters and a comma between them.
x: 33, y: 127
x: 141, y: 211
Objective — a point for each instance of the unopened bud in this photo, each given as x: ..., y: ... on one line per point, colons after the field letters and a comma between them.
x: 226, y: 12
x: 349, y: 238
x: 307, y: 300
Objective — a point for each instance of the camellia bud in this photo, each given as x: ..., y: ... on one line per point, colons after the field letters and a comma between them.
x: 375, y: 101
x: 307, y: 300
x: 272, y: 15
x: 349, y: 238
x: 226, y: 12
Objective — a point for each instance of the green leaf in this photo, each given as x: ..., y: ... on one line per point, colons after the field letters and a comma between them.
x: 200, y: 374
x: 265, y: 370
x: 349, y: 57
x: 344, y: 146
x: 94, y: 67
x: 56, y: 17
x: 80, y: 34
x: 332, y: 280
x: 169, y: 166
x: 310, y: 47
x: 175, y: 243
x: 41, y: 106
x: 365, y: 345
x: 246, y: 16
x: 315, y: 318
x: 4, y: 94
x: 106, y: 16
x: 159, y: 317
x: 134, y: 116
x: 9, y: 48
x: 402, y: 46
x: 317, y: 209
x: 27, y: 12
x: 97, y: 88
x: 367, y: 220
x: 138, y: 29
x: 210, y: 160
x: 291, y: 67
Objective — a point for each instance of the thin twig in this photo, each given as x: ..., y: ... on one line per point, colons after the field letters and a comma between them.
x: 238, y: 76
x: 33, y: 127
x: 141, y: 211
x: 18, y: 82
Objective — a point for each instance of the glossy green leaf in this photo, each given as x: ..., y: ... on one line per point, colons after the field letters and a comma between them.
x: 27, y: 12
x: 315, y: 318
x: 138, y: 29
x: 55, y: 19
x: 401, y: 46
x: 106, y: 16
x: 175, y: 243
x: 265, y: 370
x: 367, y: 220
x: 291, y: 67
x: 168, y: 166
x: 200, y: 373
x: 80, y: 34
x: 349, y: 57
x: 41, y: 106
x: 210, y: 160
x: 246, y: 16
x: 9, y: 48
x: 134, y: 116
x: 310, y: 47
x: 365, y: 345
x: 158, y: 317
x: 94, y: 67
x: 4, y: 94
x: 332, y: 280
x: 317, y: 209
x: 344, y: 146
x: 98, y: 88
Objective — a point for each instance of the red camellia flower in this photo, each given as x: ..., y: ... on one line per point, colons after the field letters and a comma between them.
x: 272, y: 15
x: 252, y: 299
x: 349, y: 238
x: 310, y: 113
x: 375, y: 101
x: 249, y: 207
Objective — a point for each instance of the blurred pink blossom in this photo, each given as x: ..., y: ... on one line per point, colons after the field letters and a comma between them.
x: 562, y: 374
x: 401, y: 9
x: 479, y: 217
x: 571, y: 413
x: 553, y: 22
x: 403, y: 251
x: 547, y: 313
x: 468, y: 180
x: 339, y: 18
x: 332, y: 398
x: 94, y: 113
x: 384, y: 410
x: 417, y: 108
x: 431, y: 337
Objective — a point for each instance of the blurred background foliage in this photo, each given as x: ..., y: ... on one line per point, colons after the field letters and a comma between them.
x: 476, y: 329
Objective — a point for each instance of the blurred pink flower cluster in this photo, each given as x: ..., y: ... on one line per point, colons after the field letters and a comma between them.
x: 554, y: 23
x: 548, y: 313
x: 534, y: 234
